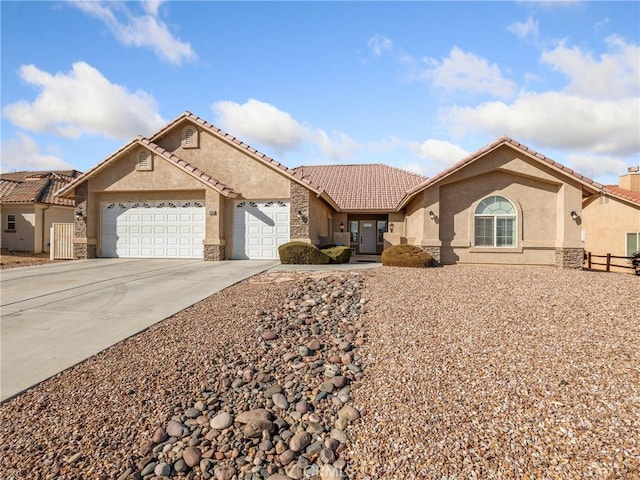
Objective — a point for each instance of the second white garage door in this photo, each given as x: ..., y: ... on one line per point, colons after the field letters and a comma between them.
x: 259, y: 228
x: 154, y: 229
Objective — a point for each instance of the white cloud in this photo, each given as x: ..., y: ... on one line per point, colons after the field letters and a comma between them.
x: 596, y: 166
x: 463, y: 71
x: 378, y: 44
x: 596, y: 114
x: 263, y: 123
x: 616, y: 74
x: 440, y: 151
x: 23, y: 153
x: 528, y: 29
x: 83, y: 102
x: 146, y: 30
x: 558, y: 120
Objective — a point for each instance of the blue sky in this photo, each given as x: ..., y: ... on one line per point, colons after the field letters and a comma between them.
x: 417, y: 85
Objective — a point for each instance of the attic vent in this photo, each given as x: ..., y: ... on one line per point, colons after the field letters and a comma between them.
x: 604, y: 200
x: 189, y: 137
x: 143, y: 161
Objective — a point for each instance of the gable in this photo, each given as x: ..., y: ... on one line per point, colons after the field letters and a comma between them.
x: 509, y: 155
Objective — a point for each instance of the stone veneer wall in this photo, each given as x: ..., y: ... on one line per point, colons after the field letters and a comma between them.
x: 299, y: 227
x: 433, y: 251
x: 214, y: 252
x: 569, y: 257
x: 80, y: 248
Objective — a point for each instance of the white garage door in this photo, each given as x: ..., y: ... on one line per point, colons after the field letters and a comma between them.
x: 155, y: 229
x: 259, y: 228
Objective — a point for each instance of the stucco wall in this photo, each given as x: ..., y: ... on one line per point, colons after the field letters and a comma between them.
x: 230, y: 165
x: 542, y: 197
x: 320, y: 221
x: 22, y: 240
x: 46, y: 217
x: 605, y: 222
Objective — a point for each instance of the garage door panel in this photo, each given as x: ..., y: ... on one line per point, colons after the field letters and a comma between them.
x: 259, y: 228
x: 153, y: 229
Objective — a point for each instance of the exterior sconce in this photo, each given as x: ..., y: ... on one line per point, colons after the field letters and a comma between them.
x: 301, y: 216
x: 432, y: 215
x: 341, y: 227
x: 79, y: 215
x: 574, y: 215
x: 391, y: 227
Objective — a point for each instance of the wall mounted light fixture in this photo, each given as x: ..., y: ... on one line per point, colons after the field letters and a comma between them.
x: 341, y: 226
x: 432, y: 215
x: 391, y: 227
x: 574, y: 215
x: 79, y: 215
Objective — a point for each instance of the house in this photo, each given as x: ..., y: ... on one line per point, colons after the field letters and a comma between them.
x: 29, y: 206
x: 192, y: 190
x: 612, y: 218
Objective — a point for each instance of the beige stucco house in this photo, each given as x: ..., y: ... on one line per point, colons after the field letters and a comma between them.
x: 612, y: 219
x: 192, y: 190
x: 29, y: 206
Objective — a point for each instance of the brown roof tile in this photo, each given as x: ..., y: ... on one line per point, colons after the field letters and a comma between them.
x: 35, y: 187
x: 362, y: 187
x: 623, y: 193
x: 493, y: 146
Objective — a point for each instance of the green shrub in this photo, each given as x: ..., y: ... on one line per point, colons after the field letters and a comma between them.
x: 301, y: 253
x: 338, y: 254
x: 407, y: 256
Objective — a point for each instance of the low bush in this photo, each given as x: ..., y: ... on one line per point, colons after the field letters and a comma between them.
x: 407, y: 256
x: 338, y: 254
x: 301, y: 253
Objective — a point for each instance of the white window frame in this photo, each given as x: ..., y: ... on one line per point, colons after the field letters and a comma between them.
x: 627, y: 237
x: 380, y: 238
x: 10, y: 221
x: 495, y: 217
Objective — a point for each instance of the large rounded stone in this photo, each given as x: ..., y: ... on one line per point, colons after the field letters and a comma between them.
x: 221, y: 421
x: 253, y: 416
x: 176, y: 429
x: 348, y: 413
x: 300, y: 441
x: 224, y: 472
x: 192, y: 456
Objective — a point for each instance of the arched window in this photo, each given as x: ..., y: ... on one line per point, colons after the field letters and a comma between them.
x: 495, y: 223
x: 190, y: 137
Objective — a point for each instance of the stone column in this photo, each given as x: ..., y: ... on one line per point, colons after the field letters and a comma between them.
x: 569, y: 257
x: 299, y: 224
x: 80, y: 248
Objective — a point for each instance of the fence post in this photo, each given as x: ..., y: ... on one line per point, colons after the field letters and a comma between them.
x: 589, y: 260
x: 608, y: 262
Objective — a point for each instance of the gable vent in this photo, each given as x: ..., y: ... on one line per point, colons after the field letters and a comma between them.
x: 190, y: 137
x: 143, y: 161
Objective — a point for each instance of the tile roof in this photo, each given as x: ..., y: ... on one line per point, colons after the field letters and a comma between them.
x: 623, y: 193
x: 36, y: 187
x: 493, y: 146
x: 168, y: 156
x: 238, y: 143
x: 362, y: 187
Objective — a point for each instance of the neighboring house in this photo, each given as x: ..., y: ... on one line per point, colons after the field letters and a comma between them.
x: 28, y: 207
x: 612, y: 219
x: 194, y: 191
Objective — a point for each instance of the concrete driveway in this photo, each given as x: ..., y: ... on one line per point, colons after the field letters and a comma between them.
x: 54, y: 316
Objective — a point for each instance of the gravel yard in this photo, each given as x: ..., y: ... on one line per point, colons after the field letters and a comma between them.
x: 499, y: 372
x: 13, y: 260
x: 459, y: 372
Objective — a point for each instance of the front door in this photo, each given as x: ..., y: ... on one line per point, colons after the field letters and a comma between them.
x: 367, y: 237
